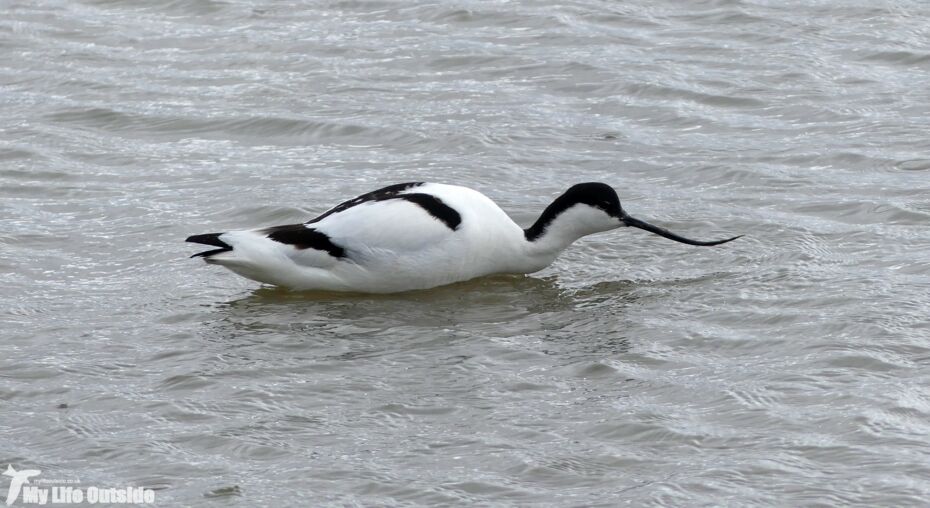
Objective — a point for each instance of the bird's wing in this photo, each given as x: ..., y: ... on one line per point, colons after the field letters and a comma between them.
x: 400, y: 221
x: 401, y: 225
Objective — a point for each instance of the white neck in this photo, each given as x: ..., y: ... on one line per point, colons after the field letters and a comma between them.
x: 543, y: 242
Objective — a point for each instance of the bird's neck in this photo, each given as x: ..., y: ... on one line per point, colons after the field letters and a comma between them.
x: 551, y: 234
x: 554, y: 238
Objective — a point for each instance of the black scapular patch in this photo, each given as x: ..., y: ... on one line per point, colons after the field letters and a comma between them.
x: 302, y: 237
x: 209, y: 239
x: 429, y: 203
x: 388, y: 192
x: 435, y: 207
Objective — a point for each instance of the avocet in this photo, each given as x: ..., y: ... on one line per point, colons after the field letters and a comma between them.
x: 416, y: 236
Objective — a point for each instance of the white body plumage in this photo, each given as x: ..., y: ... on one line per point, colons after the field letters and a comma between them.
x: 414, y: 236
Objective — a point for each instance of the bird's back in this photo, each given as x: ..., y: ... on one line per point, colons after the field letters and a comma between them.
x: 402, y: 237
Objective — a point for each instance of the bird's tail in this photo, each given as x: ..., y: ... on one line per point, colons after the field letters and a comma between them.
x: 210, y: 239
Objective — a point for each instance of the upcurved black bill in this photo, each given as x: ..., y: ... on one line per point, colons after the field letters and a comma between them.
x: 636, y: 223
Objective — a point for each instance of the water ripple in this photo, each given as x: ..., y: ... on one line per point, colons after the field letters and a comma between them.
x: 786, y: 366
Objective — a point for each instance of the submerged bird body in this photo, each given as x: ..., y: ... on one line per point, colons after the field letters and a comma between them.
x: 416, y: 236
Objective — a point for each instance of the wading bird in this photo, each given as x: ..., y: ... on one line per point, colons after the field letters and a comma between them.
x: 416, y: 236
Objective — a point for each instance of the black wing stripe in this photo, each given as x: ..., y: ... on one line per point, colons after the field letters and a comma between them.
x: 435, y: 207
x: 429, y: 203
x: 302, y: 237
x: 388, y: 192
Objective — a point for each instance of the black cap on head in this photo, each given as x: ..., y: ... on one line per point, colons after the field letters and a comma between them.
x: 596, y: 194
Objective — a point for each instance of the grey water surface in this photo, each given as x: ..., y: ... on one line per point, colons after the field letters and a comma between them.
x: 788, y: 368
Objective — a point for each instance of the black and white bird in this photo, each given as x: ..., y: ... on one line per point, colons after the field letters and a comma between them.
x: 416, y: 236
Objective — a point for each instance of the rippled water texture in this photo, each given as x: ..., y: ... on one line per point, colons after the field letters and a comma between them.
x: 787, y: 368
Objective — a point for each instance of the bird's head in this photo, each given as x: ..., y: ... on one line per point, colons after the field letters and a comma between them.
x: 587, y: 208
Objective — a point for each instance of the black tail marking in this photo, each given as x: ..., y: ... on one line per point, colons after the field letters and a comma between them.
x: 209, y: 239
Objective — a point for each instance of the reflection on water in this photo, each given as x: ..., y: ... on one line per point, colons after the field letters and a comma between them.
x: 487, y: 300
x: 500, y: 306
